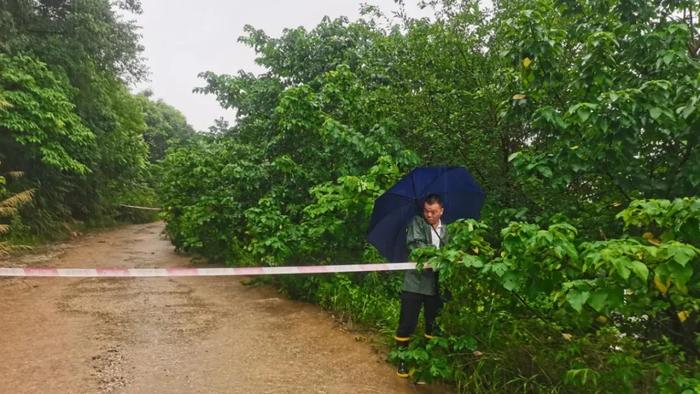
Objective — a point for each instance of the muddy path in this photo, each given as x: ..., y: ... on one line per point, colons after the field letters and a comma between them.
x: 183, y: 335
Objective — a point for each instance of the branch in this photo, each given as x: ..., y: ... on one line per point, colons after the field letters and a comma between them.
x: 533, y: 310
x: 619, y: 188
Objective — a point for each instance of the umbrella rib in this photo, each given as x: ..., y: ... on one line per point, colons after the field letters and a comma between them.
x: 394, y: 208
x: 376, y: 225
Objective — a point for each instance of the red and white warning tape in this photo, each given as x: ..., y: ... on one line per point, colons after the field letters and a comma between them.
x: 239, y: 271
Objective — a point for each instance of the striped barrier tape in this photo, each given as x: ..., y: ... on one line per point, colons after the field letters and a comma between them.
x: 138, y: 207
x: 165, y: 272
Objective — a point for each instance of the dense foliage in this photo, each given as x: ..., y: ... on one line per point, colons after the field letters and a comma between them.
x: 165, y: 126
x: 67, y: 119
x: 579, y: 118
x: 9, y: 206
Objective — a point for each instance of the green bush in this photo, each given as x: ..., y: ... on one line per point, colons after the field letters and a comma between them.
x: 580, y: 120
x: 615, y: 315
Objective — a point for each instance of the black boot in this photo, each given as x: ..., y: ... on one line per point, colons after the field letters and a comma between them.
x: 402, y: 343
x: 402, y: 371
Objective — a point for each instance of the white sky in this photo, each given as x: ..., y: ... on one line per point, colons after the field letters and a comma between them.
x: 183, y: 38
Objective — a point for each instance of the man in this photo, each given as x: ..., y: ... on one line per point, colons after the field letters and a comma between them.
x: 420, y: 288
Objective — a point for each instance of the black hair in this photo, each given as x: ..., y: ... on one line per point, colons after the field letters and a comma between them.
x: 433, y: 198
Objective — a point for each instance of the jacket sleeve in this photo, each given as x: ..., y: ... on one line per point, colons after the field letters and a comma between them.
x: 445, y: 239
x: 415, y: 236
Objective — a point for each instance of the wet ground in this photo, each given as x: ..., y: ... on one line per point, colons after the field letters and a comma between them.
x: 182, y: 335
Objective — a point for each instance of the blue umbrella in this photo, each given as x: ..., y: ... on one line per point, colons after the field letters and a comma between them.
x: 462, y: 198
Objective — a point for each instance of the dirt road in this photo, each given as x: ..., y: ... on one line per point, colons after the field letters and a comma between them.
x: 184, y: 335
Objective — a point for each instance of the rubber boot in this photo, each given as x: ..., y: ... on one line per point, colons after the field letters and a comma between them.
x: 402, y: 344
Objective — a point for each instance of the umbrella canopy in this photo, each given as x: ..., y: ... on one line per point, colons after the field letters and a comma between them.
x: 462, y: 198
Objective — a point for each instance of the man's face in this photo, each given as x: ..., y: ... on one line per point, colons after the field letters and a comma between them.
x: 432, y: 213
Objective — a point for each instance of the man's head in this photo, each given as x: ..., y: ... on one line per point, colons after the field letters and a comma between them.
x: 433, y: 209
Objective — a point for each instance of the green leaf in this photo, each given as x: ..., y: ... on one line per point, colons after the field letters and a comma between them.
x: 598, y: 300
x: 514, y: 155
x: 682, y: 254
x: 510, y: 281
x: 680, y: 275
x: 621, y: 267
x: 655, y: 112
x: 472, y: 261
x: 583, y: 114
x: 640, y: 269
x: 577, y: 298
x: 545, y: 171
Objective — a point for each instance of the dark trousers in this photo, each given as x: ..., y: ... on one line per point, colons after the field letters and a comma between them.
x: 410, y: 309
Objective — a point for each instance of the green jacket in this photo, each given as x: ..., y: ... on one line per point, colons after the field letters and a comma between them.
x: 418, y: 235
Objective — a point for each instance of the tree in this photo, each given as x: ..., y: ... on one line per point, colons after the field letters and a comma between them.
x: 166, y: 126
x: 38, y: 118
x: 76, y: 130
x: 9, y: 205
